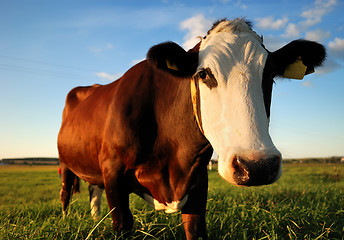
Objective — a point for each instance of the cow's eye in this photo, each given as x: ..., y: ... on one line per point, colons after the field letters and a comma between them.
x: 207, y: 78
x: 202, y: 74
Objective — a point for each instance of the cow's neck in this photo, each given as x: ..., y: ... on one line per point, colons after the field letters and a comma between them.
x: 180, y: 147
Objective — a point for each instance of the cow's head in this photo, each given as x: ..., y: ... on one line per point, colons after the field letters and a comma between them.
x: 234, y: 74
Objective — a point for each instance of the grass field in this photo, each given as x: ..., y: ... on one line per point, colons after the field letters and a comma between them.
x: 306, y: 203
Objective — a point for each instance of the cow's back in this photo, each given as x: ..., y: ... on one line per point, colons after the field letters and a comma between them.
x: 96, y: 117
x: 75, y: 96
x: 80, y: 136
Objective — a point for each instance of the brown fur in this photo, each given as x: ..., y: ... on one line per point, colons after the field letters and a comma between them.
x: 138, y: 134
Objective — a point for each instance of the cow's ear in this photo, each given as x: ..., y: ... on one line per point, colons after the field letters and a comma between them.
x: 172, y: 58
x: 298, y: 58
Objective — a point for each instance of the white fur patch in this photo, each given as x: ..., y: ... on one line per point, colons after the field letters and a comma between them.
x: 168, y: 207
x: 95, y: 202
x: 233, y: 114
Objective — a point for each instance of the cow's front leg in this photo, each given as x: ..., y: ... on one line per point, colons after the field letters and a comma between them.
x: 118, y: 199
x: 193, y: 213
x: 194, y: 226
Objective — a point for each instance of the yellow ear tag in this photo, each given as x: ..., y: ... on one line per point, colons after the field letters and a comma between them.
x: 171, y: 65
x: 295, y: 70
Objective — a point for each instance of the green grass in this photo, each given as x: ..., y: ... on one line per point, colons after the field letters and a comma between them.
x: 306, y: 203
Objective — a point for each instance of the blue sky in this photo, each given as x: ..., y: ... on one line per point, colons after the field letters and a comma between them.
x: 49, y: 47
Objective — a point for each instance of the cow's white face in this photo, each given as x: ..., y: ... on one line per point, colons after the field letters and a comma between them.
x: 234, y: 118
x: 232, y: 76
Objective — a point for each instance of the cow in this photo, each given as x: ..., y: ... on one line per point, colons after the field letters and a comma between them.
x: 74, y: 97
x: 152, y: 132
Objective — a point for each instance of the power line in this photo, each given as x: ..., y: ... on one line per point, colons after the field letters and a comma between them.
x: 305, y: 130
x: 24, y: 69
x: 17, y: 67
x: 47, y: 63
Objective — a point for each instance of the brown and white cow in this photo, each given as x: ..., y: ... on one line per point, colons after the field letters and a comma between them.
x: 152, y: 132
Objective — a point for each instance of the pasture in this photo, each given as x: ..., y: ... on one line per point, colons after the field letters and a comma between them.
x: 306, y: 203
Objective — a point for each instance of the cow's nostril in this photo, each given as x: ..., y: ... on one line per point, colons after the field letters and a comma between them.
x: 255, y: 173
x: 241, y: 172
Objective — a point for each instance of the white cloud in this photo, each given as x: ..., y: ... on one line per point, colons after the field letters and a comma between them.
x: 271, y: 23
x: 336, y: 47
x: 107, y: 47
x: 311, y: 17
x: 307, y: 84
x: 317, y: 35
x: 95, y: 50
x: 315, y: 14
x: 105, y: 77
x: 196, y: 26
x: 238, y: 3
x: 292, y: 31
x: 272, y: 43
x: 330, y: 65
x: 337, y: 44
x: 136, y: 61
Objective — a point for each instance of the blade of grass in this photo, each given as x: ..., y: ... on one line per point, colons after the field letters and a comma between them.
x: 90, y: 233
x: 147, y: 234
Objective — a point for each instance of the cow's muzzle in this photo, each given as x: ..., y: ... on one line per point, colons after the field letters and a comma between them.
x: 256, y: 172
